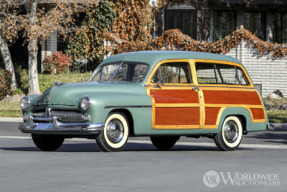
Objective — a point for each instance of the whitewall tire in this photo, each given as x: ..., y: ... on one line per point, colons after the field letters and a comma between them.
x: 115, y: 134
x: 230, y: 135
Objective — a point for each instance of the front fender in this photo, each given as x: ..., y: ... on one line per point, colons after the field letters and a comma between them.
x: 102, y: 105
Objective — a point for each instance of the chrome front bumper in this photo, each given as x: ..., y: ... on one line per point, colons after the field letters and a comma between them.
x: 54, y: 126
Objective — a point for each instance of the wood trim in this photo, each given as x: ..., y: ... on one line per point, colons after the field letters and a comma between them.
x: 177, y: 127
x: 171, y: 87
x: 219, y: 115
x: 210, y: 127
x: 177, y: 105
x: 233, y: 105
x: 202, y: 108
x: 193, y: 72
x: 217, y: 88
x: 153, y: 111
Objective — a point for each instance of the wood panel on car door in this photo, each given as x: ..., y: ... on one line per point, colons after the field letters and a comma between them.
x: 175, y: 107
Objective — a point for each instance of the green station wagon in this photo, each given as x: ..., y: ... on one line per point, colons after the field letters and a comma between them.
x: 160, y: 94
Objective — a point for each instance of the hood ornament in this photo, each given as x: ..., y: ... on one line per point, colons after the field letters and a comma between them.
x: 58, y: 84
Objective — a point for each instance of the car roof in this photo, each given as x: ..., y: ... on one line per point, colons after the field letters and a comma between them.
x: 153, y: 57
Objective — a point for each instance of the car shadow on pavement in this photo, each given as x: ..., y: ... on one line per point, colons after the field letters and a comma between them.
x: 278, y: 136
x: 130, y: 147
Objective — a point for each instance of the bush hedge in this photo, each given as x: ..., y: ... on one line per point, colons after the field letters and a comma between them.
x: 57, y: 63
x: 5, y: 83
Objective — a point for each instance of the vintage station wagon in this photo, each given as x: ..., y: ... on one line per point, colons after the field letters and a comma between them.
x: 160, y: 94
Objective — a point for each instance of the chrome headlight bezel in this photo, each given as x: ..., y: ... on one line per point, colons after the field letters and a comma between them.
x: 85, y: 104
x: 25, y: 103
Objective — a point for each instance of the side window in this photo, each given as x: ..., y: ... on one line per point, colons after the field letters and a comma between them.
x: 106, y: 72
x: 172, y: 73
x: 140, y: 72
x: 131, y: 72
x: 121, y: 74
x: 209, y: 73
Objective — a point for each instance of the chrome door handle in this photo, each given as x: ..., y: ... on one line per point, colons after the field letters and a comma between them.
x: 195, y: 89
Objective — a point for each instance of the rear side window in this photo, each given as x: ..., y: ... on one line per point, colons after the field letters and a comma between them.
x: 211, y: 73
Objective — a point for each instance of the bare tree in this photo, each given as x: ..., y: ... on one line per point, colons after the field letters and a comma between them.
x: 9, y: 26
x: 39, y: 19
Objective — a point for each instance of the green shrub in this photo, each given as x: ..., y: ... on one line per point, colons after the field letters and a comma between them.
x: 5, y: 83
x: 17, y: 91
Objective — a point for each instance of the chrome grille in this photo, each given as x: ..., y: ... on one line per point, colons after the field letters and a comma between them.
x: 63, y: 116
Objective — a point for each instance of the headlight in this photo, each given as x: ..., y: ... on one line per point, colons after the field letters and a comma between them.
x: 25, y: 103
x: 85, y: 104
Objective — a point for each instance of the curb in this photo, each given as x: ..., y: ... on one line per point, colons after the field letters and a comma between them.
x: 10, y: 119
x: 279, y: 125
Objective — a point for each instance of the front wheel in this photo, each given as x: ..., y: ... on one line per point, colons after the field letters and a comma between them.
x: 164, y: 142
x: 115, y: 134
x: 230, y: 136
x: 47, y: 142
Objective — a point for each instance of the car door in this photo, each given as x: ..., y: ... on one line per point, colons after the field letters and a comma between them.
x: 226, y: 85
x: 175, y: 99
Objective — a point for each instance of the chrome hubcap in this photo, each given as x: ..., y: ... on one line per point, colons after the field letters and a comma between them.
x: 115, y: 131
x: 231, y: 131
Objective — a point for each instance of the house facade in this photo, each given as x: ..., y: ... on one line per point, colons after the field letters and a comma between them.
x: 267, y: 19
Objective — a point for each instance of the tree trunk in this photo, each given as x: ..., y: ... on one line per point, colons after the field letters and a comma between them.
x: 8, y: 61
x: 33, y: 71
x: 33, y: 51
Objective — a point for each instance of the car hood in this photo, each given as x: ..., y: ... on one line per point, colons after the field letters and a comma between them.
x: 72, y: 93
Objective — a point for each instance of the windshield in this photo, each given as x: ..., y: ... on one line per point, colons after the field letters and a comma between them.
x: 120, y: 72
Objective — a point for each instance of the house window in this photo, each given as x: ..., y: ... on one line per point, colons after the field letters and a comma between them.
x: 224, y: 23
x: 280, y: 28
x: 284, y: 26
x: 256, y: 23
x: 185, y: 20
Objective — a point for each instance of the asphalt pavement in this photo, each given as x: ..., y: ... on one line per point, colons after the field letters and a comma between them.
x: 192, y: 165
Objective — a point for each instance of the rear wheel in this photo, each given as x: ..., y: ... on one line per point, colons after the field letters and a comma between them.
x: 47, y: 142
x: 164, y: 142
x: 115, y: 134
x: 230, y: 136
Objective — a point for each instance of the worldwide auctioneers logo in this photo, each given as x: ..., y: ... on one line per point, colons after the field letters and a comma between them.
x: 212, y: 179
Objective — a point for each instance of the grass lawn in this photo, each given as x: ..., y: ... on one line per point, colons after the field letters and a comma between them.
x: 12, y: 109
x: 278, y: 116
